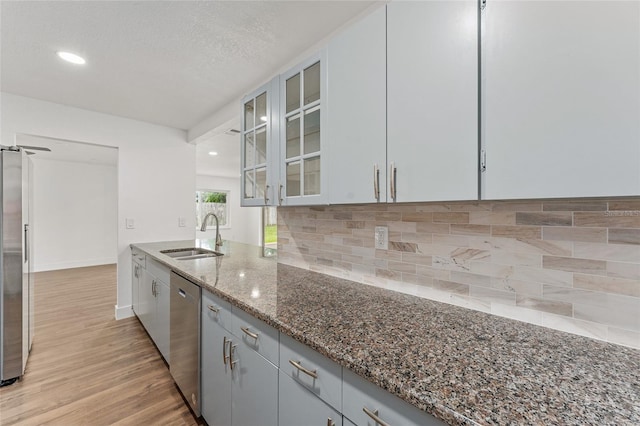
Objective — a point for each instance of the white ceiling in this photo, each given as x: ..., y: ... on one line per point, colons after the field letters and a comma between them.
x: 167, y: 62
x: 64, y: 150
x: 227, y: 162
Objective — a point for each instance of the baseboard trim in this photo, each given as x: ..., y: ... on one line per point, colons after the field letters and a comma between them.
x: 75, y: 264
x: 123, y: 312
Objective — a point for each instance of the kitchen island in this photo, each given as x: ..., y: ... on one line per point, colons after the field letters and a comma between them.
x: 459, y: 365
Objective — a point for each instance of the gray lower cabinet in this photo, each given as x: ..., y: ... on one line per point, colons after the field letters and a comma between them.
x: 367, y: 404
x: 151, y: 303
x: 239, y: 386
x: 298, y: 406
x: 254, y: 384
x: 215, y: 398
x: 161, y: 334
x: 136, y: 278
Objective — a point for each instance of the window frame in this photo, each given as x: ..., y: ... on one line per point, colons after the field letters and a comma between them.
x: 212, y: 225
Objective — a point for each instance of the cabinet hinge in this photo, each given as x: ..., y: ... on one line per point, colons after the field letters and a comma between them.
x: 483, y: 4
x: 483, y: 161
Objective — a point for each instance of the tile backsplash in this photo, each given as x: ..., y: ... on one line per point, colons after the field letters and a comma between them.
x: 571, y: 265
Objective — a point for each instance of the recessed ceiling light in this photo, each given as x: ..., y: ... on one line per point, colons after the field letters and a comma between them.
x: 264, y: 118
x: 72, y: 57
x: 213, y: 153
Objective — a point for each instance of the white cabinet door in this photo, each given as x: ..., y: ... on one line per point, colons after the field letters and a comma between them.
x: 147, y: 311
x: 161, y: 326
x: 215, y: 374
x: 136, y: 277
x: 299, y: 407
x: 303, y: 160
x: 254, y: 390
x: 260, y: 146
x: 356, y: 112
x: 432, y: 85
x: 561, y: 99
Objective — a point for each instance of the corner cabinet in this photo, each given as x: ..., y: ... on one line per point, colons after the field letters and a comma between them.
x: 303, y: 165
x: 259, y: 147
x: 561, y: 99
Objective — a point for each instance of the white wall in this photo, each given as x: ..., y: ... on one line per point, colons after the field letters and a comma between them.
x: 75, y: 214
x: 244, y: 221
x: 156, y: 171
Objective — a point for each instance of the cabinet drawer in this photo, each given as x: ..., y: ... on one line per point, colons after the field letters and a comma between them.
x: 159, y: 270
x: 328, y: 383
x: 256, y: 334
x: 216, y: 310
x: 139, y: 257
x: 360, y: 394
x: 297, y: 406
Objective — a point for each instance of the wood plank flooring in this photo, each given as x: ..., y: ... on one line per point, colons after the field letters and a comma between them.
x: 86, y: 368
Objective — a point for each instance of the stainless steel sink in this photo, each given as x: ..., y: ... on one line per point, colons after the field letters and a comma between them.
x: 190, y: 253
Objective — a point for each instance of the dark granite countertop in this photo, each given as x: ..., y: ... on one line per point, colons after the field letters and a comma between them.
x: 463, y: 366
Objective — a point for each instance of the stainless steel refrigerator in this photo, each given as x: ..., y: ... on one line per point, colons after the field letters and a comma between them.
x: 16, y: 279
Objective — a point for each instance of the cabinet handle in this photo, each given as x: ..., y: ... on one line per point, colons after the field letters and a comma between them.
x: 231, y: 348
x: 135, y: 271
x: 376, y: 182
x: 266, y: 198
x: 248, y: 333
x: 153, y: 288
x: 280, y: 194
x: 374, y: 416
x: 224, y: 351
x: 308, y: 372
x: 213, y: 309
x: 330, y: 422
x: 393, y: 181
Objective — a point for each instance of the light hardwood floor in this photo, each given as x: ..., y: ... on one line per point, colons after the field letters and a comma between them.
x: 86, y: 368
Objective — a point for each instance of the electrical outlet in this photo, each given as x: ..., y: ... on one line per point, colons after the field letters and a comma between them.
x: 130, y: 223
x: 182, y: 222
x: 381, y: 236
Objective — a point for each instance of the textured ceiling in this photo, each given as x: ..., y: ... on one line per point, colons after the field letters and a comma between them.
x: 167, y: 62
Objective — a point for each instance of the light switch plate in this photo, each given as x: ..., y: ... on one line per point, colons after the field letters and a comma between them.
x: 130, y: 223
x: 381, y: 235
x: 182, y: 222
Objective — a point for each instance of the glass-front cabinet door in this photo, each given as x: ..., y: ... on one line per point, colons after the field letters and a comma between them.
x: 301, y: 165
x: 258, y: 147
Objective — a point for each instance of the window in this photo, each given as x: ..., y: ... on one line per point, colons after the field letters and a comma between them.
x: 212, y: 201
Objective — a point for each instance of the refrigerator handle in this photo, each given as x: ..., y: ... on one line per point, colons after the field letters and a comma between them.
x: 26, y: 243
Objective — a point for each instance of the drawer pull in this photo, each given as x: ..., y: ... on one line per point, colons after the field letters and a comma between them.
x: 374, y: 416
x: 308, y: 372
x: 248, y: 333
x: 213, y: 309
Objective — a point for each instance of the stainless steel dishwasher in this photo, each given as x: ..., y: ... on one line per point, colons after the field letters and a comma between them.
x: 185, y: 339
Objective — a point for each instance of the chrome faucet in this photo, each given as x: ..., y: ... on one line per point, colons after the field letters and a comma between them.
x: 203, y: 228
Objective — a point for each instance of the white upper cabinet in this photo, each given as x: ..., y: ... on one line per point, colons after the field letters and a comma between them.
x: 259, y: 146
x: 302, y: 138
x: 356, y: 111
x: 432, y: 100
x: 561, y: 99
